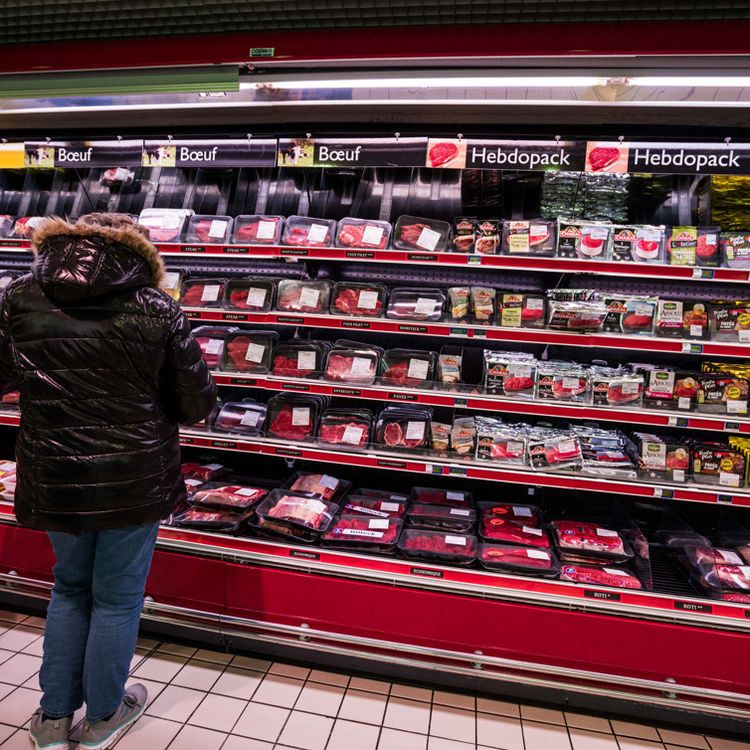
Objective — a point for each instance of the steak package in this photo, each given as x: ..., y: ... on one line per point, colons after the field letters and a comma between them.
x: 611, y: 577
x: 487, y: 237
x: 464, y: 230
x: 291, y: 510
x: 375, y: 507
x: 256, y: 295
x: 357, y: 366
x: 228, y: 497
x: 498, y: 529
x: 173, y: 281
x: 638, y: 244
x: 366, y: 534
x: 404, y: 427
x: 553, y: 450
x: 300, y: 359
x: 320, y: 485
x: 416, y: 304
x: 163, y: 224
x: 241, y: 417
x: 520, y: 513
x: 698, y: 556
x: 683, y: 319
x: 616, y: 387
x: 606, y: 453
x: 497, y: 441
x: 526, y: 561
x: 215, y: 520
x: 521, y: 310
x: 730, y: 321
x: 583, y: 240
x: 441, y: 518
x: 581, y: 315
x: 209, y: 229
x: 249, y: 351
x: 304, y: 296
x: 563, y: 381
x: 722, y: 393
x: 212, y: 341
x: 425, y: 235
x: 458, y: 549
x: 437, y: 496
x: 735, y: 249
x: 258, y: 230
x: 690, y: 246
x: 293, y: 416
x: 716, y: 463
x: 536, y: 237
x: 6, y: 225
x: 589, y: 540
x: 364, y: 300
x: 346, y: 427
x: 302, y: 230
x: 203, y: 293
x: 407, y: 368
x: 630, y: 314
x: 367, y: 234
x: 206, y: 472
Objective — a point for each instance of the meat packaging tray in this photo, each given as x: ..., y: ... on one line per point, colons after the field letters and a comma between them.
x: 590, y: 540
x: 517, y: 310
x: 438, y: 496
x: 319, y: 485
x: 611, y: 387
x: 205, y: 472
x: 537, y: 237
x: 527, y: 561
x: 610, y: 577
x: 441, y: 518
x: 392, y: 497
x: 345, y: 427
x: 304, y: 296
x: 408, y: 368
x: 425, y: 235
x: 249, y: 351
x: 630, y: 314
x: 215, y: 520
x: 722, y: 393
x: 257, y: 295
x: 735, y: 249
x: 241, y: 417
x: 439, y: 546
x: 212, y: 340
x: 363, y: 505
x: 364, y: 300
x: 299, y: 359
x: 258, y: 230
x: 483, y: 303
x: 730, y: 321
x: 684, y: 319
x: 209, y: 229
x: 553, y: 450
x: 302, y: 230
x: 497, y: 441
x: 690, y: 246
x: 416, y: 304
x: 173, y: 281
x: 355, y: 366
x: 698, y: 556
x: 203, y: 293
x: 366, y: 534
x: 228, y: 497
x: 464, y: 233
x: 6, y: 225
x: 25, y: 226
x: 293, y: 416
x: 497, y: 529
x: 459, y: 302
x: 583, y: 240
x: 403, y: 428
x: 487, y: 236
x: 510, y: 374
x: 517, y: 512
x: 367, y: 234
x: 294, y: 511
x: 638, y: 244
x: 580, y: 315
x: 165, y: 224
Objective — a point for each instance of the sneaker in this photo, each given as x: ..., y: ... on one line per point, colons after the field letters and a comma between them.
x: 49, y: 734
x: 99, y: 735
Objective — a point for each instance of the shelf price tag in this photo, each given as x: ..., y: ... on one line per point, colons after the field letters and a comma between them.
x: 662, y: 492
x: 689, y: 348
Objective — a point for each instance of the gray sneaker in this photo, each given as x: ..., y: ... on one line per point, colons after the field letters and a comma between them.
x: 51, y: 734
x: 100, y: 735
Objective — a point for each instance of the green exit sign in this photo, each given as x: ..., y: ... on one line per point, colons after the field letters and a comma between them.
x: 262, y: 51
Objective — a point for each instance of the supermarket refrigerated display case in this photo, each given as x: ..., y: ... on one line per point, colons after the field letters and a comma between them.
x: 649, y: 649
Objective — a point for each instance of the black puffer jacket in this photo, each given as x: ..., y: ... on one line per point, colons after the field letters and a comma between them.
x: 107, y: 368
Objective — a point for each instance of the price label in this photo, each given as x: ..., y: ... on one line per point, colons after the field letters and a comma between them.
x: 378, y: 523
x: 317, y: 233
x: 373, y: 235
x: 352, y: 435
x: 309, y: 297
x: 606, y: 533
x: 213, y: 346
x: 210, y: 293
x: 678, y: 475
x: 537, y: 554
x: 367, y: 300
x: 171, y: 279
x: 455, y: 497
x: 531, y: 530
x: 361, y: 367
x: 217, y: 229
x: 256, y: 297
x: 521, y: 512
x: 418, y: 369
x: 300, y: 416
x: 696, y: 331
x: 415, y: 430
x: 727, y: 479
x: 255, y: 353
x: 571, y: 383
x: 266, y: 230
x: 250, y: 419
x: 460, y: 512
x: 428, y: 239
x: 736, y: 407
x: 305, y: 360
x: 744, y: 336
x: 390, y: 507
x: 459, y: 541
x: 171, y: 221
x: 425, y: 306
x: 683, y: 402
x: 329, y: 482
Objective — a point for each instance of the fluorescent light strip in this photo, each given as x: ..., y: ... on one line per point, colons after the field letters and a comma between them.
x: 391, y: 82
x: 691, y: 81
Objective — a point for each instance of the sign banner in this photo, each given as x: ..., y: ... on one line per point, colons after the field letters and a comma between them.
x: 236, y: 152
x: 352, y: 152
x: 546, y: 156
x: 38, y: 155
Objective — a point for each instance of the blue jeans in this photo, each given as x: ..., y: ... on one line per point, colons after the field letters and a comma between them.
x: 93, y: 617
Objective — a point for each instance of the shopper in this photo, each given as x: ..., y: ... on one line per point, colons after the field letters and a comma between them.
x: 107, y: 367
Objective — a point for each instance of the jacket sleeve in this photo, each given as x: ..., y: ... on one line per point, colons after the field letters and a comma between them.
x: 189, y: 390
x: 7, y: 374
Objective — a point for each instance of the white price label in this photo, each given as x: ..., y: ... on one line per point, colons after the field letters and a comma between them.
x: 628, y: 387
x: 364, y: 533
x: 537, y: 554
x: 171, y: 221
x: 606, y: 533
x: 570, y: 384
x: 210, y: 293
x: 305, y: 360
x: 329, y: 482
x: 247, y: 491
x: 213, y: 467
x: 317, y: 233
x: 372, y: 235
x: 428, y: 239
x: 361, y: 367
x: 367, y: 300
x: 415, y: 430
x: 389, y: 507
x: 531, y: 530
x: 378, y: 523
x: 255, y: 353
x: 599, y: 233
x: 213, y: 346
x: 535, y: 303
x: 678, y: 475
x: 171, y: 279
x: 696, y: 330
x: 729, y: 557
x: 521, y: 512
x: 250, y: 418
x: 459, y: 541
x: 616, y: 572
x: 266, y: 230
x: 194, y: 482
x: 744, y: 336
x: 121, y: 174
x: 736, y: 407
x: 643, y: 309
x: 418, y: 369
x: 300, y: 416
x: 460, y: 512
x: 309, y: 297
x: 538, y: 230
x: 352, y: 435
x: 567, y: 446
x: 217, y: 229
x: 519, y: 371
x: 256, y: 297
x: 711, y: 239
x: 454, y: 497
x: 425, y: 306
x: 683, y: 402
x: 727, y: 479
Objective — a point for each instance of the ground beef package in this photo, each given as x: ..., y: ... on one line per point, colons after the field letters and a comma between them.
x: 638, y: 244
x: 690, y: 246
x: 439, y: 546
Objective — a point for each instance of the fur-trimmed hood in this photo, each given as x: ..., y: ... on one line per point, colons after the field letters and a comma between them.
x: 89, y: 259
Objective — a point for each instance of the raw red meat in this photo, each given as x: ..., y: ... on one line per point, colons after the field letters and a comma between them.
x: 299, y: 235
x: 686, y: 388
x: 500, y: 451
x: 578, y: 536
x: 711, y: 556
x: 410, y: 233
x: 591, y: 245
x: 439, y: 543
x: 237, y: 355
x: 212, y: 359
x: 238, y: 298
x: 428, y: 496
x: 292, y: 301
x: 635, y: 322
x: 339, y: 369
x: 288, y: 366
x: 357, y: 529
x: 230, y: 496
x: 398, y: 374
x: 308, y: 512
x: 516, y: 557
x: 532, y: 313
x: 249, y: 232
x: 734, y: 596
x: 704, y: 249
x: 520, y: 513
x: 616, y: 395
x: 515, y: 383
x: 12, y: 397
x: 207, y: 472
x: 323, y: 485
x: 281, y: 426
x: 334, y: 433
x: 347, y: 302
x: 192, y: 297
x: 514, y: 532
x: 442, y: 153
x: 393, y: 435
x: 559, y: 390
x: 599, y: 577
x: 602, y: 157
x: 730, y: 577
x: 352, y: 235
x: 582, y: 322
x: 202, y: 229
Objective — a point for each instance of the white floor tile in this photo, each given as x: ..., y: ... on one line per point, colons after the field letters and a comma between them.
x: 5, y: 732
x: 235, y: 742
x: 351, y: 735
x: 218, y: 712
x: 453, y: 724
x: 35, y: 648
x: 316, y: 698
x: 19, y: 668
x: 361, y: 706
x: 408, y: 715
x: 289, y: 670
x: 5, y: 655
x: 160, y: 667
x: 17, y: 741
x: 684, y: 739
x: 438, y: 743
x: 276, y: 690
x: 149, y: 732
x: 238, y: 683
x: 5, y: 690
x: 196, y: 738
x: 16, y: 639
x: 538, y: 736
x: 17, y: 707
x: 261, y: 722
x: 504, y: 732
x: 199, y: 675
x: 306, y: 731
x: 175, y: 703
x: 395, y: 739
x: 583, y: 739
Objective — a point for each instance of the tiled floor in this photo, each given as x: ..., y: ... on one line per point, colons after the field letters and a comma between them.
x: 207, y: 700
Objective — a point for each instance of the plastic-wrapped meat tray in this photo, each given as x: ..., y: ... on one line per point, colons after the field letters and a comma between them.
x: 527, y: 514
x: 458, y: 549
x: 536, y: 237
x: 215, y: 520
x: 6, y: 224
x: 209, y: 229
x: 362, y: 505
x: 437, y: 496
x: 593, y: 576
x: 303, y: 296
x: 206, y: 472
x: 242, y: 417
x: 298, y: 359
x: 351, y: 366
x: 363, y: 233
x: 366, y: 534
x: 416, y: 304
x: 258, y: 230
x: 232, y: 497
x: 211, y: 340
x: 249, y: 351
x: 292, y: 510
x: 364, y: 300
x: 591, y: 540
x: 393, y: 497
x: 292, y: 419
x: 163, y: 224
x: 403, y: 429
x: 342, y: 428
x: 256, y: 295
x: 301, y: 230
x: 441, y: 518
x: 701, y: 555
x: 407, y: 369
x: 421, y: 235
x: 320, y: 485
x: 509, y: 558
x: 203, y: 293
x: 495, y: 529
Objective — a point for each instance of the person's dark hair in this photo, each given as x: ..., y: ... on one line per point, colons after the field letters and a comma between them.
x: 114, y: 221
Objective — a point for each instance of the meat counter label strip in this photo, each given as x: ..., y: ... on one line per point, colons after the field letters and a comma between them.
x: 237, y: 152
x: 83, y: 154
x: 546, y: 156
x: 351, y: 152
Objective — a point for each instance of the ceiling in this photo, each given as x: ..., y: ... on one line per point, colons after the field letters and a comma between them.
x: 39, y: 21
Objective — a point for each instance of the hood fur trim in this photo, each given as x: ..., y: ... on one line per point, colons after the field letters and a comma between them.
x: 128, y: 238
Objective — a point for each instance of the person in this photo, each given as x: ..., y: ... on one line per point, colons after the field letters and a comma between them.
x: 107, y: 367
